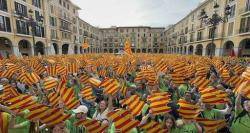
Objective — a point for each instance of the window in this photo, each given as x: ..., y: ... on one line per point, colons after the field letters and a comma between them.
x: 5, y: 24
x: 191, y: 37
x: 21, y: 9
x: 232, y: 13
x: 22, y: 27
x: 39, y: 32
x: 68, y: 6
x: 53, y: 21
x: 64, y: 4
x: 211, y: 33
x: 199, y: 36
x: 230, y: 28
x: 53, y: 34
x: 245, y: 25
x: 37, y: 3
x: 3, y: 5
x: 60, y: 2
x: 37, y: 15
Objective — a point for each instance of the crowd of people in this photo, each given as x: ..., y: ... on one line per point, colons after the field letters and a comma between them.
x: 124, y: 93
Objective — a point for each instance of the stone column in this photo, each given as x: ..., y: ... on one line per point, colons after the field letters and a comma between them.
x: 236, y: 51
x: 32, y: 52
x: 218, y: 51
x: 16, y: 51
x: 203, y: 52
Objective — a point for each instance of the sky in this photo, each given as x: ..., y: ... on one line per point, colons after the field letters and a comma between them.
x: 159, y: 13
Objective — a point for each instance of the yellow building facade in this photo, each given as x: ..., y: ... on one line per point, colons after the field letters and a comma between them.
x: 232, y: 37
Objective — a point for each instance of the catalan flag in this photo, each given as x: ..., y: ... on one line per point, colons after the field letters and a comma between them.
x: 234, y: 81
x: 19, y: 101
x: 92, y: 126
x: 200, y: 82
x: 87, y: 93
x: 211, y: 126
x: 52, y: 70
x: 153, y: 127
x: 158, y: 103
x: 50, y: 83
x: 123, y: 120
x: 161, y: 66
x: 54, y: 98
x: 111, y: 86
x: 67, y: 95
x: 244, y: 88
x: 134, y: 104
x: 188, y: 110
x: 211, y: 95
x: 246, y: 74
x: 127, y: 47
x: 54, y: 117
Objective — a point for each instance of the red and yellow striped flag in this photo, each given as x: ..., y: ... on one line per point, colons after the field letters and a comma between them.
x: 72, y: 68
x: 84, y: 79
x: 87, y: 93
x: 52, y: 70
x: 188, y: 110
x: 50, y: 83
x: 161, y: 66
x: 211, y: 95
x: 211, y: 126
x: 19, y: 101
x: 244, y: 89
x: 54, y: 116
x: 94, y: 82
x: 29, y: 78
x: 67, y: 95
x: 235, y: 81
x: 200, y: 82
x: 246, y: 74
x: 159, y: 103
x: 54, y: 98
x: 111, y: 86
x: 123, y: 120
x: 127, y: 47
x: 153, y: 127
x: 92, y: 126
x: 134, y: 104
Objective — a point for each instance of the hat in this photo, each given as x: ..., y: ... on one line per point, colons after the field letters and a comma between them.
x: 81, y: 109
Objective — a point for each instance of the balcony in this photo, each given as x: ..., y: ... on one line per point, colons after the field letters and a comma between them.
x: 67, y: 19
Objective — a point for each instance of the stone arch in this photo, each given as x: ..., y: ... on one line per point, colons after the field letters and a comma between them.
x: 105, y: 51
x: 24, y: 47
x: 244, y: 48
x: 111, y: 51
x: 155, y: 50
x: 144, y: 50
x: 149, y: 50
x: 81, y: 50
x: 116, y: 50
x: 65, y: 48
x: 39, y: 48
x: 199, y: 49
x: 228, y: 48
x: 210, y: 49
x: 161, y: 51
x: 138, y: 51
x: 190, y: 49
x: 6, y: 47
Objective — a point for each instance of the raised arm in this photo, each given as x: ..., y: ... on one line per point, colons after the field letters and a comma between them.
x: 110, y: 102
x: 238, y: 103
x: 6, y: 109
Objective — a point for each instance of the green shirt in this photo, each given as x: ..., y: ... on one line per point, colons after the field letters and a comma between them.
x: 241, y: 125
x: 212, y: 114
x: 183, y: 88
x: 24, y: 123
x: 187, y: 128
x: 163, y: 87
x: 71, y: 127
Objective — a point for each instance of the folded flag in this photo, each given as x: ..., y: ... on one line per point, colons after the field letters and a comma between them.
x: 200, y: 82
x: 234, y: 81
x: 244, y: 89
x: 95, y: 82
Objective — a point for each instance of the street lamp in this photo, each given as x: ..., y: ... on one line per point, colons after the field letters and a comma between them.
x: 215, y: 20
x: 32, y: 23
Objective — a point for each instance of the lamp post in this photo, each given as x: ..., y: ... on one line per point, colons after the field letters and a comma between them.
x: 32, y: 23
x: 215, y: 20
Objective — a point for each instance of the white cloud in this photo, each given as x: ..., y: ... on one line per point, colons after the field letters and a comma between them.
x: 106, y: 13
